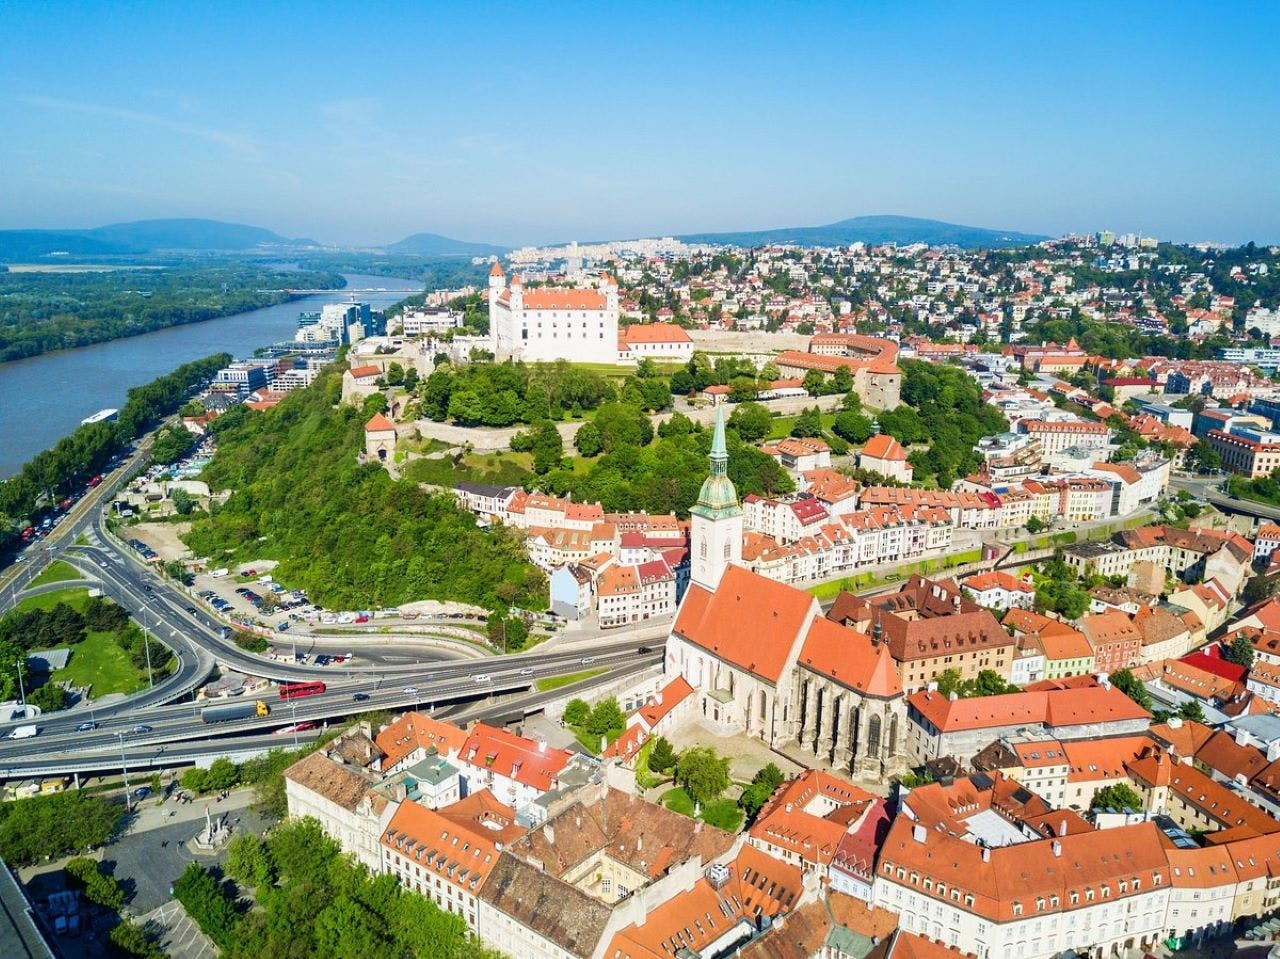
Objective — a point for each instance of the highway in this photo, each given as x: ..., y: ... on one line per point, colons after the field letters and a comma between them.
x: 153, y: 728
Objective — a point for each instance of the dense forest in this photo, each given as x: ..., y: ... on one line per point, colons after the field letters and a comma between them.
x: 346, y: 532
x: 436, y: 273
x: 40, y: 312
x: 77, y: 457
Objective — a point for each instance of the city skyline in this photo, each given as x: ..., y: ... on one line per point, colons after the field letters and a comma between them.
x: 512, y: 126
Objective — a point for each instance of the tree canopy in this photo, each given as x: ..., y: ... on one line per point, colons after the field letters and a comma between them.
x: 347, y: 532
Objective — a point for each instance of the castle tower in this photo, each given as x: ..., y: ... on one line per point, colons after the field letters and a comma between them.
x: 716, y: 517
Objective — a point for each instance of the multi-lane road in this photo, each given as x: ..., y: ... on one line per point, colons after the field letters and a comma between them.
x: 162, y: 726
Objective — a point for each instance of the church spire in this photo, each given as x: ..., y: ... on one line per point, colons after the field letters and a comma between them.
x: 718, y: 497
x: 719, y: 449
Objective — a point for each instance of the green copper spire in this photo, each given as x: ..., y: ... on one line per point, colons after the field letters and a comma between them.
x: 718, y: 497
x: 719, y: 449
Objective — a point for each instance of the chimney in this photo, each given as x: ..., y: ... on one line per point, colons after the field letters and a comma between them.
x: 1057, y: 848
x: 542, y: 745
x: 639, y: 843
x: 697, y: 826
x: 986, y: 853
x: 1242, y: 737
x: 1062, y: 828
x: 550, y: 832
x: 788, y: 807
x: 1273, y: 750
x: 919, y: 833
x: 953, y: 696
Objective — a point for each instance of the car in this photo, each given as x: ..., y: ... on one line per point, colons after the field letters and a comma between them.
x: 142, y: 728
x: 147, y: 587
x: 102, y: 563
x: 142, y: 792
x: 322, y: 660
x: 410, y: 690
x: 644, y: 649
x: 86, y: 727
x: 526, y: 671
x: 360, y: 697
x: 587, y: 660
x: 191, y: 610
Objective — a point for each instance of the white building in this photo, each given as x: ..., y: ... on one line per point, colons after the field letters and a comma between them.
x: 545, y: 323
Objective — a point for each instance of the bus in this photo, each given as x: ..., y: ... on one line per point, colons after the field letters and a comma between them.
x: 294, y: 690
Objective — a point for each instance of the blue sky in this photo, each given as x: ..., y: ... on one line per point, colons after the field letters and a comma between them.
x: 538, y: 122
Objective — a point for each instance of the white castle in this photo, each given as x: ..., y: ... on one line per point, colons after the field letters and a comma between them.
x: 579, y: 324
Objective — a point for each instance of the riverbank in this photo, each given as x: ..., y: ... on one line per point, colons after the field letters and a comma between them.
x: 44, y: 398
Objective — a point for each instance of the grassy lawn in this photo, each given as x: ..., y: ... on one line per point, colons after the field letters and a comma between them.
x: 57, y: 572
x: 100, y: 663
x: 721, y: 813
x: 566, y: 679
x: 499, y: 469
x: 75, y: 598
x: 781, y: 425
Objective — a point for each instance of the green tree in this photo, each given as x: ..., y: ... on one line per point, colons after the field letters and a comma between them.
x: 1035, y: 525
x: 808, y: 423
x: 1192, y: 710
x: 374, y: 404
x: 662, y: 757
x: 1127, y: 683
x: 50, y: 697
x: 852, y: 426
x: 751, y: 420
x: 1240, y: 652
x: 763, y: 785
x: 201, y: 896
x: 548, y: 447
x: 606, y: 719
x: 1258, y: 588
x: 131, y: 939
x: 1118, y: 796
x: 576, y: 712
x: 588, y: 440
x: 98, y: 887
x: 171, y: 444
x: 53, y: 826
x: 702, y: 773
x: 183, y: 502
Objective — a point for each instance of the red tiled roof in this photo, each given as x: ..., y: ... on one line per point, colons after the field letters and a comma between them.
x: 776, y: 614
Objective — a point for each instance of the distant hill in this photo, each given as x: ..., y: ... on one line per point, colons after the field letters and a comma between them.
x: 902, y: 230
x: 433, y: 244
x: 140, y: 236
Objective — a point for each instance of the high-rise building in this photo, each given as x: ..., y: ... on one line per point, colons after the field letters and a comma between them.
x: 716, y: 517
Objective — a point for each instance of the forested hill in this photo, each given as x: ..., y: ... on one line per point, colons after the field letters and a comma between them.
x: 347, y: 533
x: 902, y: 230
x: 41, y: 312
x: 140, y: 236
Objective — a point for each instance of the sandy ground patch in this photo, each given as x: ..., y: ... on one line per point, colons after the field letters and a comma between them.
x: 162, y: 537
x: 746, y: 756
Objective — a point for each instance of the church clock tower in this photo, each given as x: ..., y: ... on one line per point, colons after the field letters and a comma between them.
x: 716, y: 517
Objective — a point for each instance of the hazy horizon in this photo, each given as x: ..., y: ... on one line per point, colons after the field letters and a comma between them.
x: 534, y: 125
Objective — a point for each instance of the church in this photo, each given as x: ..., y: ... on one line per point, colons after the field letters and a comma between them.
x: 765, y: 661
x: 544, y: 323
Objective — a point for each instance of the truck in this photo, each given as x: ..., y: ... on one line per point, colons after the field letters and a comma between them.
x: 24, y: 732
x: 228, y: 711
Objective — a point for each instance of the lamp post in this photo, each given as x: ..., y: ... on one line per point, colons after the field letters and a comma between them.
x: 146, y: 646
x: 293, y: 710
x: 22, y: 690
x: 124, y: 768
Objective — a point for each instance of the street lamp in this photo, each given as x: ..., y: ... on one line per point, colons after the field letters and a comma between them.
x: 124, y: 768
x: 146, y: 646
x: 293, y: 710
x: 21, y: 688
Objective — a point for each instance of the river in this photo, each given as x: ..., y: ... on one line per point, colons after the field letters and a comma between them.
x: 44, y: 398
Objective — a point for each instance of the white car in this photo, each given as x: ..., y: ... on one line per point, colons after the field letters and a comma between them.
x: 410, y: 690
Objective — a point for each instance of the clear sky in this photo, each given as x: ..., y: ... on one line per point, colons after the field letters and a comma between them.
x: 361, y: 123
